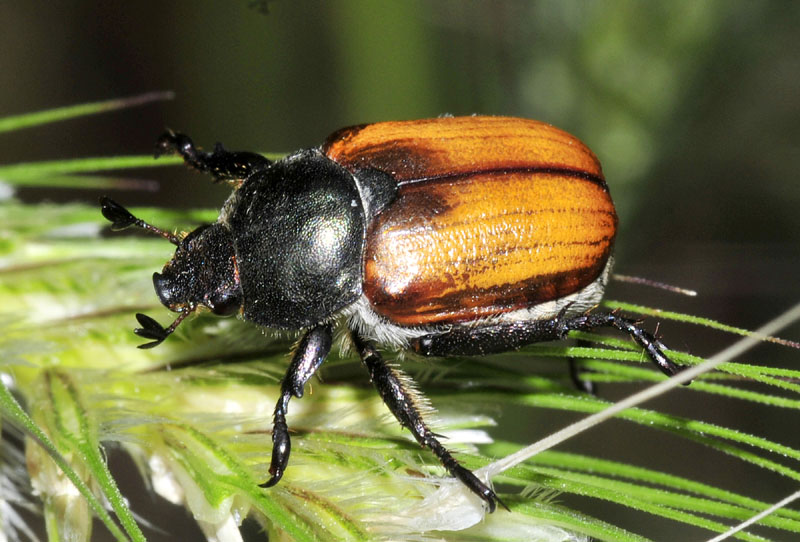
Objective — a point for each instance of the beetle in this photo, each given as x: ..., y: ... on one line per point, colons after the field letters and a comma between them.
x: 452, y: 236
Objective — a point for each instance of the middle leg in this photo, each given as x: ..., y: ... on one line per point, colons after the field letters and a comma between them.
x: 400, y: 401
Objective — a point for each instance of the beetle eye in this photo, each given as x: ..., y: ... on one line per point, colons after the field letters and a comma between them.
x: 224, y: 304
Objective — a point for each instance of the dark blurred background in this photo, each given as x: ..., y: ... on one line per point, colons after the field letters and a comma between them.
x: 692, y: 107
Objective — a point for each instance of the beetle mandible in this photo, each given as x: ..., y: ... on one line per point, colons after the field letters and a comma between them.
x: 447, y: 236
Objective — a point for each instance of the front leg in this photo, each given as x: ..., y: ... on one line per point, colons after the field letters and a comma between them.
x: 401, y: 402
x: 223, y: 165
x: 310, y: 354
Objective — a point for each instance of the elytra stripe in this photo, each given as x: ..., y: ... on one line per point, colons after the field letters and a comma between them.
x: 566, y: 172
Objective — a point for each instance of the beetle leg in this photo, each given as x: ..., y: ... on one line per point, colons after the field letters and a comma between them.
x: 576, y: 372
x: 505, y: 336
x: 311, y: 352
x: 401, y: 402
x: 223, y: 165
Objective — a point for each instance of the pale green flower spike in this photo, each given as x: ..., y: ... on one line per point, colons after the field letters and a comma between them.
x: 195, y: 413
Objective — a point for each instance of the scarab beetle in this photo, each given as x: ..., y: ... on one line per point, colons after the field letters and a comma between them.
x: 447, y: 236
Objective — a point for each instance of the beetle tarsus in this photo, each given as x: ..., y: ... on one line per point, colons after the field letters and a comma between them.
x: 221, y: 164
x: 652, y: 346
x: 466, y: 477
x: 281, y: 450
x: 401, y: 402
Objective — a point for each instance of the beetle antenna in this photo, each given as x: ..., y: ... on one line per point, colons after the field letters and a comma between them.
x: 153, y: 330
x: 121, y: 219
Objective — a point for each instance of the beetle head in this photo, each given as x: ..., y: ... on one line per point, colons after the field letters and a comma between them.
x: 203, y: 272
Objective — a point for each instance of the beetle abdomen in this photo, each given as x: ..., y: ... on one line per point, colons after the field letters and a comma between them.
x: 457, y: 249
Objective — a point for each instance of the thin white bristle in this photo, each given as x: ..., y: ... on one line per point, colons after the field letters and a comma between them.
x: 654, y: 284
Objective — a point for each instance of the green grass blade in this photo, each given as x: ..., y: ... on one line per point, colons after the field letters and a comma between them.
x: 709, y: 434
x: 14, y: 412
x: 690, y: 319
x: 637, y: 497
x: 58, y: 114
x: 35, y: 173
x: 587, y: 464
x: 72, y: 420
